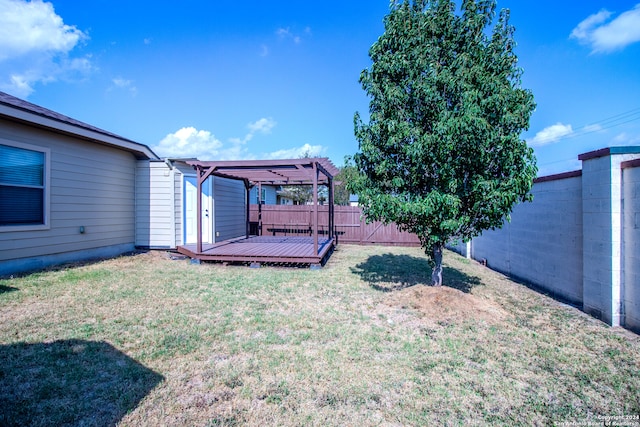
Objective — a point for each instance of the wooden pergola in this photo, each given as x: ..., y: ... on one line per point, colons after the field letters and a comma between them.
x: 306, y: 171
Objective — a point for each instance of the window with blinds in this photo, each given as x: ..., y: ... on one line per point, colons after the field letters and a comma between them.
x: 22, y: 186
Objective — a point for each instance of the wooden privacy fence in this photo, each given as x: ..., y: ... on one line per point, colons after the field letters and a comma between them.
x: 350, y: 225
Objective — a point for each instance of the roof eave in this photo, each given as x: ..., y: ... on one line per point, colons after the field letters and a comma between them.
x: 21, y: 115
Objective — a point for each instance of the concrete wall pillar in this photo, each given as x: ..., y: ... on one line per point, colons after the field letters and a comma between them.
x: 631, y: 246
x: 602, y: 231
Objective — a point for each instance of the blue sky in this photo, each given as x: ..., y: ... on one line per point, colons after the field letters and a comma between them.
x: 272, y: 79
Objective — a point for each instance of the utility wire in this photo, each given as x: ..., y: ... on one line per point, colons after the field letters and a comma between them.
x: 557, y: 161
x: 608, y: 123
x: 621, y: 115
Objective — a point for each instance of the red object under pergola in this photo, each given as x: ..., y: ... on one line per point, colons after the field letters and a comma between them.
x: 306, y: 171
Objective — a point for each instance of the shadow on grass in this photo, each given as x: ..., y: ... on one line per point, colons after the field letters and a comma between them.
x: 391, y: 272
x: 69, y: 265
x: 5, y: 289
x: 70, y: 382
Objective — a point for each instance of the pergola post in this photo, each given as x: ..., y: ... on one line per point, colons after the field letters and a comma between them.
x: 199, y: 213
x: 259, y: 208
x: 247, y: 190
x: 315, y: 208
x: 331, y: 208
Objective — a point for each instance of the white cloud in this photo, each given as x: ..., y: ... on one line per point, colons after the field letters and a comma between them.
x: 120, y: 83
x: 621, y: 138
x: 297, y: 152
x: 287, y: 34
x: 19, y: 84
x: 551, y: 134
x: 585, y: 28
x: 604, y: 35
x: 591, y: 128
x: 283, y: 32
x: 262, y: 126
x: 19, y: 80
x: 34, y: 46
x: 189, y: 142
x: 34, y: 26
x: 625, y: 139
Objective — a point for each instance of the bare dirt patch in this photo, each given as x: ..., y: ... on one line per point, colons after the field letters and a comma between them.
x: 445, y: 304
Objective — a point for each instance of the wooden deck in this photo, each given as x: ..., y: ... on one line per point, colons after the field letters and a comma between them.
x: 267, y: 249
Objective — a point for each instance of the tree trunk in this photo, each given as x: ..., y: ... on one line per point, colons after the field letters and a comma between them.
x: 436, y: 274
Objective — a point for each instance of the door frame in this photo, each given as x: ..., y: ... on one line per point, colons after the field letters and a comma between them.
x: 207, y: 205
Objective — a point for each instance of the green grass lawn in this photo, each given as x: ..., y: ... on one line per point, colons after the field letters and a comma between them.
x: 145, y: 340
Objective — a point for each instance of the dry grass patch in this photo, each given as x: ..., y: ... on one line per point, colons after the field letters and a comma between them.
x: 145, y: 340
x: 446, y: 305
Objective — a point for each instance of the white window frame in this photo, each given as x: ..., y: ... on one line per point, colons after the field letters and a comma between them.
x: 261, y: 198
x: 47, y: 188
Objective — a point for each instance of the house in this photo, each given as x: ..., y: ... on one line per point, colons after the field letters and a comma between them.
x: 166, y: 212
x: 271, y: 195
x: 70, y: 191
x: 282, y: 198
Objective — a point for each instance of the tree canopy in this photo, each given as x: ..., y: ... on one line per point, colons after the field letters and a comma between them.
x: 441, y: 155
x: 298, y: 194
x: 348, y: 174
x: 303, y: 194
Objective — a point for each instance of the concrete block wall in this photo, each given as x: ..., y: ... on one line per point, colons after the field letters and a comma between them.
x: 580, y: 238
x: 463, y: 248
x: 631, y: 246
x: 543, y: 242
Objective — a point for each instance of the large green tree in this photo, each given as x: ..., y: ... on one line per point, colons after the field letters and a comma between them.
x: 348, y: 174
x: 441, y: 155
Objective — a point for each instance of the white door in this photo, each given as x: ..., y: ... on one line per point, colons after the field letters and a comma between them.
x: 191, y: 207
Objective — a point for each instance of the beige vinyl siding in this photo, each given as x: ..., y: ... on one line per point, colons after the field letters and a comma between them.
x: 230, y: 208
x: 177, y: 206
x: 155, y: 205
x: 180, y: 169
x: 90, y: 185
